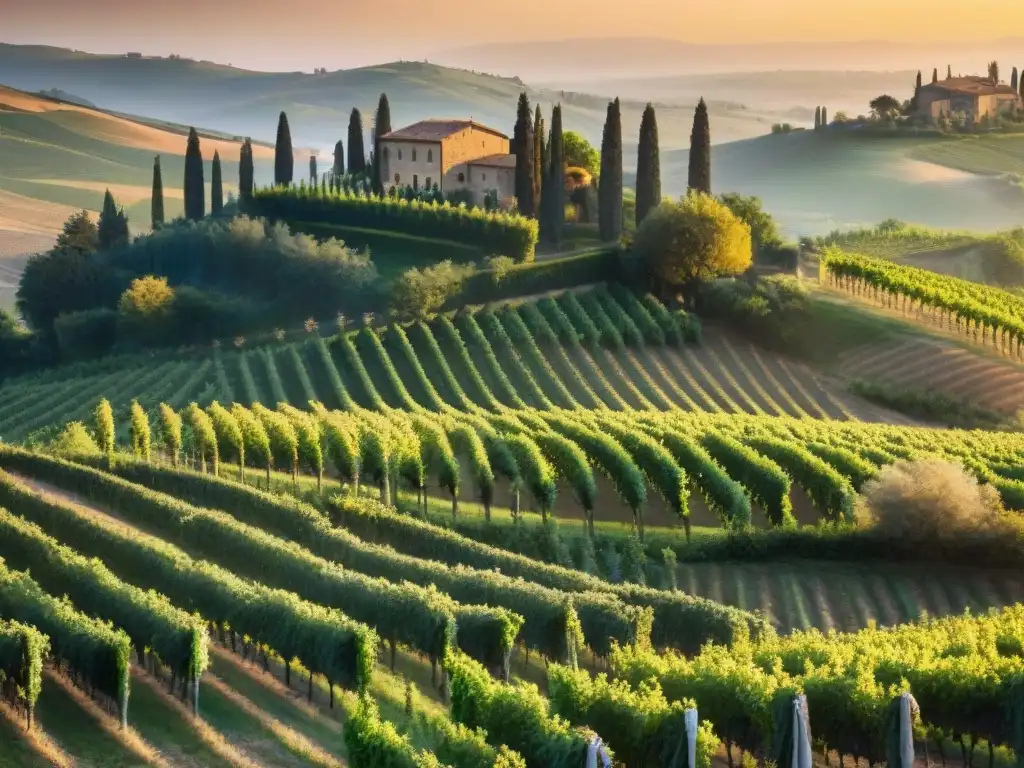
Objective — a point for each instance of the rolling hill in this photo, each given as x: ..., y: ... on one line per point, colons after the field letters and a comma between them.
x: 247, y: 103
x: 57, y: 157
x: 815, y: 182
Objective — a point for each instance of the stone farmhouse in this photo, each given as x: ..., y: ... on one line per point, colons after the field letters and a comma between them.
x: 975, y: 97
x: 454, y: 154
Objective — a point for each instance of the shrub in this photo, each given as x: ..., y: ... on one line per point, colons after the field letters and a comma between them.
x: 420, y: 293
x: 928, y: 500
x: 74, y: 440
x: 145, y: 309
x: 85, y: 335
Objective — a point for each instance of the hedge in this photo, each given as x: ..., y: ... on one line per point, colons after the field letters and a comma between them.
x: 22, y: 651
x: 498, y: 233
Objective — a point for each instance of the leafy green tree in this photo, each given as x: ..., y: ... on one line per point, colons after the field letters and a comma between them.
x: 523, y: 146
x: 113, y: 225
x: 763, y: 231
x: 694, y: 239
x: 195, y: 184
x: 884, y: 106
x: 157, y: 203
x: 216, y: 186
x: 699, y: 178
x: 246, y: 172
x: 554, y: 187
x: 538, y: 160
x: 356, y: 149
x: 339, y: 158
x: 648, y: 166
x: 75, y: 441
x: 381, y: 127
x: 104, y: 415
x: 78, y: 234
x: 284, y: 155
x: 610, y: 189
x: 580, y: 153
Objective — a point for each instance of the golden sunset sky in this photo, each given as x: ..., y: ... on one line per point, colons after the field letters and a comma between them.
x: 296, y: 33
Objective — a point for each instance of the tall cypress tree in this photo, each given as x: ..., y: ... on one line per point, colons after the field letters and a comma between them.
x: 216, y: 186
x: 1013, y: 79
x: 313, y: 176
x: 195, y: 185
x: 156, y: 208
x: 245, y: 172
x: 817, y: 118
x: 112, y: 228
x: 648, y: 166
x: 609, y: 193
x: 917, y: 84
x: 824, y: 117
x: 339, y: 159
x: 356, y: 148
x: 538, y: 160
x: 381, y: 127
x: 523, y: 146
x: 700, y: 151
x: 284, y: 156
x: 554, y: 188
x: 949, y: 72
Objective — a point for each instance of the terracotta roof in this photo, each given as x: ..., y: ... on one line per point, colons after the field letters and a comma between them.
x: 973, y: 86
x: 495, y: 161
x: 437, y: 130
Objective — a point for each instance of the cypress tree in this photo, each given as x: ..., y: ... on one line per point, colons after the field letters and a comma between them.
x: 381, y: 127
x: 245, y: 172
x: 157, y: 204
x: 356, y: 150
x: 824, y: 117
x: 523, y: 146
x: 339, y: 159
x: 313, y: 175
x: 949, y: 72
x: 284, y: 156
x: 195, y: 184
x: 538, y: 160
x: 935, y: 75
x: 1013, y: 79
x: 648, y: 166
x: 917, y: 85
x: 112, y: 229
x: 817, y: 118
x: 216, y: 186
x: 700, y: 151
x: 610, y: 190
x: 554, y: 187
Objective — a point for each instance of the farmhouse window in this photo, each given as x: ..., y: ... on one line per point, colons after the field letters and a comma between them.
x: 430, y: 155
x: 462, y: 176
x: 414, y: 155
x: 398, y: 178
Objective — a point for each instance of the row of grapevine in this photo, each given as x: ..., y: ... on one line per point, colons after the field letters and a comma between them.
x: 23, y: 649
x: 954, y: 304
x: 293, y: 628
x: 851, y: 682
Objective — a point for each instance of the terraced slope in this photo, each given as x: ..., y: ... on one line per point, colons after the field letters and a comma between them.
x: 535, y: 355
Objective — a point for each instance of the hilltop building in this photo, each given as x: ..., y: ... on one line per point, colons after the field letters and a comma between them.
x: 454, y: 154
x: 975, y: 97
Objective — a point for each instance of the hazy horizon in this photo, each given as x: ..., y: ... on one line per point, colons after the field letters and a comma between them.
x: 270, y: 36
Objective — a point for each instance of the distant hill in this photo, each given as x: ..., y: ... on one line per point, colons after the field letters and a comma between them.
x: 647, y: 57
x: 242, y: 102
x: 816, y: 182
x: 57, y: 157
x: 59, y: 95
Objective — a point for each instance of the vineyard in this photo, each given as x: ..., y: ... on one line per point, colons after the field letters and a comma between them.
x: 977, y: 313
x: 286, y: 555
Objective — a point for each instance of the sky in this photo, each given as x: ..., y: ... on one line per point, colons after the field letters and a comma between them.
x: 302, y: 34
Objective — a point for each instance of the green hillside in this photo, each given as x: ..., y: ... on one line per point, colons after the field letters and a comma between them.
x: 816, y: 182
